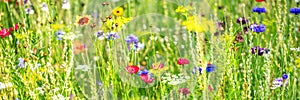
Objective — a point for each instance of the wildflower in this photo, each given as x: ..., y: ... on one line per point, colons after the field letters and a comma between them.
x: 118, y: 11
x: 210, y: 67
x: 184, y: 91
x: 44, y: 7
x: 29, y: 10
x: 79, y: 47
x: 195, y: 70
x: 66, y: 5
x: 56, y: 27
x: 147, y: 78
x: 132, y: 39
x: 241, y: 20
x: 40, y: 89
x: 295, y: 11
x: 21, y: 63
x: 174, y: 79
x: 259, y: 10
x: 260, y: 0
x: 5, y: 85
x: 4, y: 32
x: 59, y: 35
x: 14, y: 28
x: 58, y: 97
x: 112, y: 35
x: 182, y: 9
x: 82, y: 67
x: 99, y: 83
x: 239, y: 38
x: 156, y: 67
x: 182, y: 61
x: 258, y: 28
x: 143, y: 72
x: 100, y: 35
x: 260, y: 51
x: 21, y: 2
x: 279, y: 82
x: 82, y: 20
x: 132, y: 69
x: 210, y: 88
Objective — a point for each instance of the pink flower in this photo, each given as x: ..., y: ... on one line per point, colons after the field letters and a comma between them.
x: 182, y: 61
x: 147, y: 78
x: 4, y: 32
x: 16, y: 27
x: 184, y: 91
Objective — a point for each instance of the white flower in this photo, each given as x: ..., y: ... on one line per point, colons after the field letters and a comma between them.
x: 29, y: 10
x: 5, y: 85
x: 59, y: 97
x: 40, y: 89
x: 55, y: 90
x: 82, y: 67
x: 96, y: 58
x: 71, y: 36
x: 66, y: 5
x: 44, y: 7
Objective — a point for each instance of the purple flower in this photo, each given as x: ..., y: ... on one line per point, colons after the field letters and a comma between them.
x: 260, y: 51
x: 210, y: 68
x: 184, y: 91
x: 59, y: 35
x: 132, y: 39
x: 278, y: 82
x: 258, y: 28
x: 259, y: 10
x: 112, y: 35
x: 285, y: 76
x: 21, y: 63
x: 295, y: 11
x: 100, y: 35
x: 195, y: 69
x: 241, y: 20
x: 143, y: 72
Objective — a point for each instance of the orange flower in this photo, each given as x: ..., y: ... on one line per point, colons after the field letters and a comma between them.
x: 79, y: 47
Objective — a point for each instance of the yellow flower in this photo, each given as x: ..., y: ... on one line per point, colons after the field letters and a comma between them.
x: 20, y: 36
x: 118, y: 11
x: 193, y: 23
x: 297, y: 61
x: 56, y: 27
x: 83, y: 20
x: 182, y: 9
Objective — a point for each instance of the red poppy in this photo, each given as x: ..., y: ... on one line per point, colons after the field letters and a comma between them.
x: 4, y: 32
x: 182, y: 61
x: 260, y: 0
x: 147, y: 78
x: 14, y: 28
x: 132, y: 69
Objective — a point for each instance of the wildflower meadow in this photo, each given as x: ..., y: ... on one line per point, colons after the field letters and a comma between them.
x: 149, y: 50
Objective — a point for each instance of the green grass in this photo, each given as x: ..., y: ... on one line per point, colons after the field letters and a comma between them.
x: 239, y: 73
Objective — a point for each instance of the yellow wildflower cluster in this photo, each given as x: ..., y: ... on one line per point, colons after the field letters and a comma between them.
x: 193, y: 23
x: 115, y: 24
x: 183, y: 10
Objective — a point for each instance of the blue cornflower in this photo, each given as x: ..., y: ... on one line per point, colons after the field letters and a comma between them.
x: 195, y: 69
x: 259, y: 10
x: 112, y: 35
x: 210, y: 68
x: 132, y: 39
x: 295, y: 11
x: 59, y: 35
x: 284, y: 76
x: 100, y: 35
x: 258, y: 28
x: 21, y: 63
x: 143, y: 72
